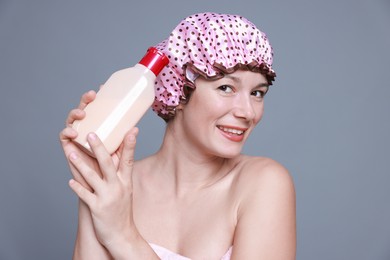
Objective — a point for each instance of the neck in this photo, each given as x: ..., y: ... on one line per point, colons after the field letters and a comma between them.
x: 185, y: 168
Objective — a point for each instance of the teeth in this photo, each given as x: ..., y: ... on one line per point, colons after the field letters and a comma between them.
x: 230, y: 130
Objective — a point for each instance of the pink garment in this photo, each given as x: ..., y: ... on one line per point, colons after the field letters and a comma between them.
x: 166, y: 254
x: 211, y: 45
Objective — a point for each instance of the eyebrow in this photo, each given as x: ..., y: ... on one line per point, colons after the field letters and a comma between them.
x: 238, y: 80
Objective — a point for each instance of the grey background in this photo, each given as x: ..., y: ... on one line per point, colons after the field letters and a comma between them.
x: 326, y: 117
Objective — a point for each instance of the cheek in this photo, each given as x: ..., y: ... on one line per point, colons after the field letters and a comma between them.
x: 259, y: 115
x: 205, y: 107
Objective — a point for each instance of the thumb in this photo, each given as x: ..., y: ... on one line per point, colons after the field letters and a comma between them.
x: 127, y: 158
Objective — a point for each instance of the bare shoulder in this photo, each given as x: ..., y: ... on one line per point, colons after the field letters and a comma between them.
x: 266, y: 211
x: 264, y: 182
x: 260, y: 172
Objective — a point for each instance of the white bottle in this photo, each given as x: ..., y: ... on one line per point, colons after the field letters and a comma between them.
x: 121, y: 102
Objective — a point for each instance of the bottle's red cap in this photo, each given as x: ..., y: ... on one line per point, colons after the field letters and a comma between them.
x: 154, y: 60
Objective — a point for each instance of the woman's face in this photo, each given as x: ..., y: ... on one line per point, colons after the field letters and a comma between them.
x: 222, y: 113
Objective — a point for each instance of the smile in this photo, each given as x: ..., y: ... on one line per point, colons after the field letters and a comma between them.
x: 231, y: 130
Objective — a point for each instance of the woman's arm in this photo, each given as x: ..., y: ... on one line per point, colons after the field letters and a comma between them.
x: 87, y: 246
x: 266, y: 227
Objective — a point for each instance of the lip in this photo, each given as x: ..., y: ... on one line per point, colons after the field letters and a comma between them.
x: 231, y: 136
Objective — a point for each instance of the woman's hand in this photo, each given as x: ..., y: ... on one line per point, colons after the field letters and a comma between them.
x: 104, y: 183
x: 68, y: 134
x: 110, y: 196
x: 87, y: 246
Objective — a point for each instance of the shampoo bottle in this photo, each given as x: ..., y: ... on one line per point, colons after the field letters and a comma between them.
x: 120, y: 103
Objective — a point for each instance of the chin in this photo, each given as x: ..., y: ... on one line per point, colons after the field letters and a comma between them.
x: 229, y: 152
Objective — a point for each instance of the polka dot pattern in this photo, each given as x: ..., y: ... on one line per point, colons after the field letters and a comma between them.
x: 211, y: 45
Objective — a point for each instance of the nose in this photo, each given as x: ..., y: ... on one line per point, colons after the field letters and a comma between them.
x: 244, y: 108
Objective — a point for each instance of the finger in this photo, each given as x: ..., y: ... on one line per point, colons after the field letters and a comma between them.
x: 115, y: 158
x: 78, y: 113
x: 85, y: 195
x: 79, y: 178
x: 91, y: 177
x: 117, y: 155
x: 67, y: 134
x: 74, y: 114
x: 103, y: 157
x: 66, y: 137
x: 127, y: 159
x: 87, y: 98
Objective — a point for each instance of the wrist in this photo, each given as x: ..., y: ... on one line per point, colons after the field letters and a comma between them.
x: 130, y: 246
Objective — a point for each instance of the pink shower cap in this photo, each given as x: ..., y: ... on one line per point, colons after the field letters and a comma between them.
x: 210, y: 45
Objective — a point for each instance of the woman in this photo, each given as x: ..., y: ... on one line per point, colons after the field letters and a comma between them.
x: 197, y: 197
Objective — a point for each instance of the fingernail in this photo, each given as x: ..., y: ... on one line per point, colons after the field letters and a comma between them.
x: 73, y: 156
x: 92, y: 136
x: 131, y: 137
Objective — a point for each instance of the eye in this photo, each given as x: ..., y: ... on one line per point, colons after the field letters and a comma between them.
x: 258, y: 93
x: 226, y: 88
